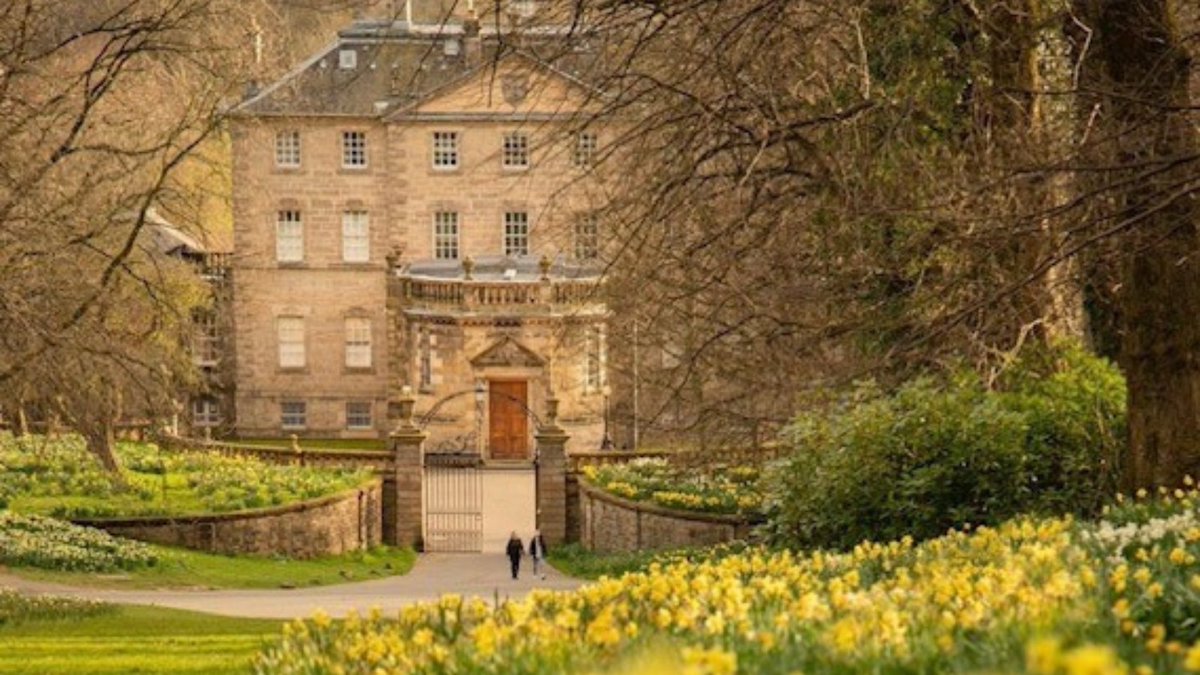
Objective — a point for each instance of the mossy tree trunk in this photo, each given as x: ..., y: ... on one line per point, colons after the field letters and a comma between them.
x: 1147, y: 70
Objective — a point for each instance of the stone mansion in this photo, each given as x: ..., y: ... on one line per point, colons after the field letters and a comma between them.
x: 408, y: 219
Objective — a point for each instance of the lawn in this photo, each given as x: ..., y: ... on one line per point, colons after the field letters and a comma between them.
x: 58, y: 477
x: 576, y: 561
x: 133, y: 639
x: 181, y: 568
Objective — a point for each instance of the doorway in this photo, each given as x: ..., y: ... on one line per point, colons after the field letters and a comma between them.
x: 508, y: 423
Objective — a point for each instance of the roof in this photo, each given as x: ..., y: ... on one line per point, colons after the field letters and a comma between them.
x: 396, y: 65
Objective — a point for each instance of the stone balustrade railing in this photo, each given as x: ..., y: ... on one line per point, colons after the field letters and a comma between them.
x: 483, y: 295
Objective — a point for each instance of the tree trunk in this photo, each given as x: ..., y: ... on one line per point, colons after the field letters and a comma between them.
x: 100, y: 443
x: 1159, y: 300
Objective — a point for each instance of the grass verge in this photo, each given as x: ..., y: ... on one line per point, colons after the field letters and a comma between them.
x: 181, y: 568
x: 574, y: 560
x: 134, y: 639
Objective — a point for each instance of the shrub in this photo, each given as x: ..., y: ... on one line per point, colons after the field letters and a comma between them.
x: 939, y: 454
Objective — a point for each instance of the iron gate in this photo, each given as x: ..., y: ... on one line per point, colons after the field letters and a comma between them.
x: 453, y: 503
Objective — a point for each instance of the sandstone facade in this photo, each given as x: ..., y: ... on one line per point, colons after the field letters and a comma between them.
x: 445, y: 327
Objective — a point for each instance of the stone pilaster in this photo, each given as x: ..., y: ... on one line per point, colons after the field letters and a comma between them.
x: 402, y: 507
x: 552, y: 477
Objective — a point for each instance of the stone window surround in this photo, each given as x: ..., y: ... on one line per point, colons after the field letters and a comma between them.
x: 293, y: 414
x: 516, y: 232
x: 355, y: 215
x: 289, y: 245
x: 515, y: 152
x: 444, y: 145
x: 587, y: 237
x: 287, y: 328
x: 583, y: 155
x: 362, y: 419
x: 206, y: 411
x: 355, y: 155
x: 352, y: 322
x: 447, y: 234
x: 289, y: 149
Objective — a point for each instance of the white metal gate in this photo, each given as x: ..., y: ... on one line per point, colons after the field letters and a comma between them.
x: 453, y: 503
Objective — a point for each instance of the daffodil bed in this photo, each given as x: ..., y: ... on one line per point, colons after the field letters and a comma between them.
x: 47, y: 543
x: 58, y: 477
x: 714, y: 490
x: 1031, y: 595
x: 16, y: 608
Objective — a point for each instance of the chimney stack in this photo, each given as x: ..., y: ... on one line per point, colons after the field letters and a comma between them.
x: 472, y: 43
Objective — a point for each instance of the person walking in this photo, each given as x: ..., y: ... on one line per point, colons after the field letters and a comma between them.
x: 514, y: 550
x: 537, y: 550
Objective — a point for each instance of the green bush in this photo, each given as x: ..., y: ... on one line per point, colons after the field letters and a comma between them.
x: 937, y: 454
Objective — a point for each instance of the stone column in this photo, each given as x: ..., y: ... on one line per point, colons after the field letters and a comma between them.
x: 402, y: 498
x: 552, y: 477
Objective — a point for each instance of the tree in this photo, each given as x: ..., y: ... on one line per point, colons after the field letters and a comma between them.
x: 819, y: 189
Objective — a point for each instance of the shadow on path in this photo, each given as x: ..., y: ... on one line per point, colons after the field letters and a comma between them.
x: 434, y: 574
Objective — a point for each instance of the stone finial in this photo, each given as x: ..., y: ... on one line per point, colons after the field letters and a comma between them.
x: 393, y: 259
x: 405, y: 407
x: 544, y: 265
x: 468, y: 267
x: 295, y: 443
x: 552, y: 411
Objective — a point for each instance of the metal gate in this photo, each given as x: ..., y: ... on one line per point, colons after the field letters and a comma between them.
x: 453, y: 503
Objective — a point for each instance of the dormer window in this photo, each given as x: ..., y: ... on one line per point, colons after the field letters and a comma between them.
x: 347, y: 59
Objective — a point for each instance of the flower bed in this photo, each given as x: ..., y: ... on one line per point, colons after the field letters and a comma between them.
x: 59, y: 477
x: 16, y: 608
x: 1031, y: 595
x: 730, y: 490
x: 46, y: 543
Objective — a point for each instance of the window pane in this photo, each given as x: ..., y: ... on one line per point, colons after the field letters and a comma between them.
x: 206, y: 412
x: 291, y: 341
x: 354, y: 149
x: 445, y: 235
x: 587, y: 238
x: 358, y: 415
x: 516, y: 233
x: 516, y: 151
x: 358, y: 343
x: 356, y: 237
x: 445, y: 149
x: 585, y: 149
x: 289, y: 237
x: 287, y: 149
x: 293, y: 414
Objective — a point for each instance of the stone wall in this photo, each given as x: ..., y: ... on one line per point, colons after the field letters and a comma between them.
x: 328, y: 526
x: 611, y: 524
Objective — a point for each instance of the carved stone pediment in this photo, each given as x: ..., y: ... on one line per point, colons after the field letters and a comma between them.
x: 508, y: 353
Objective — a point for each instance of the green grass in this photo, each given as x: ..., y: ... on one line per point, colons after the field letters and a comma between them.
x: 180, y: 568
x: 134, y: 639
x: 576, y: 561
x: 347, y: 444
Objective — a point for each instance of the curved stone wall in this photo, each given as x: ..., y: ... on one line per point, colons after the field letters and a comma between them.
x: 611, y: 524
x: 347, y: 521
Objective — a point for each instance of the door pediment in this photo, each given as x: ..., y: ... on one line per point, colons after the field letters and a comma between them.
x: 508, y: 353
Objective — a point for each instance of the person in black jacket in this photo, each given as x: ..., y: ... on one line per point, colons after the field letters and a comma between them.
x: 537, y: 550
x: 514, y: 550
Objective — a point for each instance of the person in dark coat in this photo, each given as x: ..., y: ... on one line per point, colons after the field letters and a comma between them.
x: 514, y: 551
x: 537, y: 551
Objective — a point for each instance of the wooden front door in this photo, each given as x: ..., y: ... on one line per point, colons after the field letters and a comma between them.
x: 508, y: 426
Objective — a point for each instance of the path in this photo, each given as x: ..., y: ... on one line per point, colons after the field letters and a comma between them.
x: 482, y: 575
